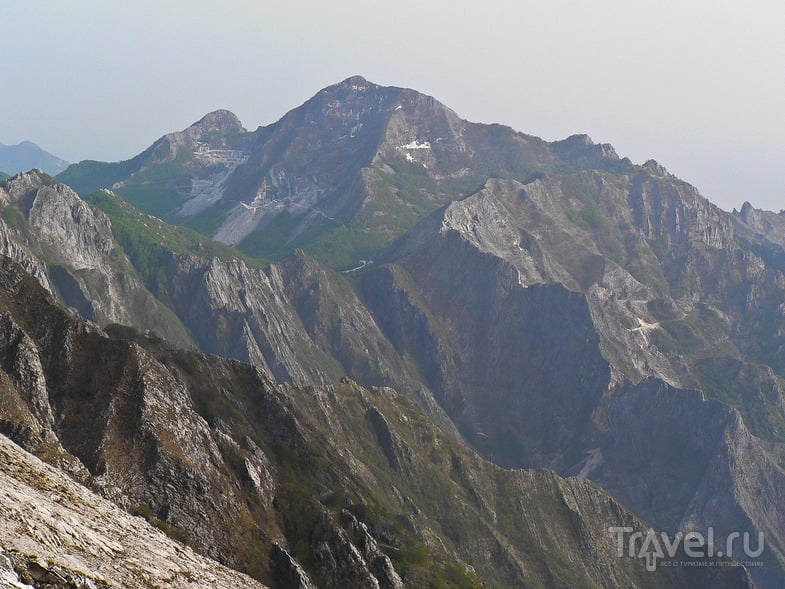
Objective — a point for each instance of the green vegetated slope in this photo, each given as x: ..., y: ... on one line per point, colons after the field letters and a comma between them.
x: 148, y: 240
x: 89, y: 175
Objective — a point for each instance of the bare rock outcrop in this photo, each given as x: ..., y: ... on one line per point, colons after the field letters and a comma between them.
x: 69, y: 529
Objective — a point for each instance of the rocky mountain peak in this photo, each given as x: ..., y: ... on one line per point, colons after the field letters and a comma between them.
x: 26, y: 185
x: 23, y: 185
x: 27, y: 155
x: 211, y: 137
x: 582, y: 145
x: 655, y: 168
x: 220, y: 120
x: 358, y: 99
x: 352, y: 97
x: 34, y: 177
x: 357, y: 82
x: 580, y: 139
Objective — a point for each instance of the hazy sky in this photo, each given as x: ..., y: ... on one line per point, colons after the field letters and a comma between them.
x: 698, y: 85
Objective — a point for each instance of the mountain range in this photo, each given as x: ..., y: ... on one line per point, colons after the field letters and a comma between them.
x: 26, y: 156
x: 323, y: 349
x: 341, y: 176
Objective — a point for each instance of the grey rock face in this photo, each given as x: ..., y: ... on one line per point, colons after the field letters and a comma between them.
x: 395, y: 449
x: 242, y: 313
x: 296, y: 320
x: 288, y: 571
x: 70, y: 248
x: 16, y: 570
x: 13, y: 248
x: 380, y: 565
x: 565, y: 324
x: 339, y: 560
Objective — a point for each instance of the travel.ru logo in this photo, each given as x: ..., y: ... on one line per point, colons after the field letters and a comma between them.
x: 652, y: 547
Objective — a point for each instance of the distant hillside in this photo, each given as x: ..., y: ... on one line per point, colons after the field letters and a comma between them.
x: 26, y: 156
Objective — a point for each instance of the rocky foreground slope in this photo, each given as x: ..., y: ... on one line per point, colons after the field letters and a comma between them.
x: 337, y: 486
x: 55, y: 532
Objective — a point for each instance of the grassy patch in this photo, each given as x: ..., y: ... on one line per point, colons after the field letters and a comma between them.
x: 700, y: 334
x: 751, y: 389
x: 157, y: 199
x: 13, y: 217
x: 206, y: 222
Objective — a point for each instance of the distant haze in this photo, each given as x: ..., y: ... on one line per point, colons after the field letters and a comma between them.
x: 699, y: 86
